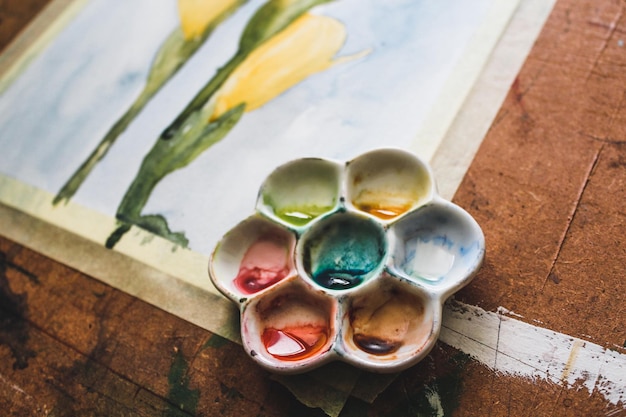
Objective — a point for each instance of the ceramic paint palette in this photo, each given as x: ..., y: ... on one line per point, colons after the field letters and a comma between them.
x: 346, y: 261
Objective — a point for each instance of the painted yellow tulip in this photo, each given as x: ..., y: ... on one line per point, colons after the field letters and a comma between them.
x: 197, y: 15
x: 305, y: 47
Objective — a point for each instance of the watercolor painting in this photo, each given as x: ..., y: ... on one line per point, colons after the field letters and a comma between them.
x: 168, y: 124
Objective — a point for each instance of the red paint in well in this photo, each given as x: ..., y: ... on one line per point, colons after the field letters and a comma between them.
x: 266, y: 262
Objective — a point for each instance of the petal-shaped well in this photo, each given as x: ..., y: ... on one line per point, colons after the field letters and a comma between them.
x: 439, y: 246
x: 196, y: 15
x: 298, y: 192
x: 387, y: 183
x: 389, y: 326
x: 305, y: 47
x: 255, y: 255
x: 290, y: 329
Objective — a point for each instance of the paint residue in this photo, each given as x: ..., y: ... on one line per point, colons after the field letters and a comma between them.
x: 513, y: 347
x: 294, y: 327
x: 436, y: 393
x: 375, y: 345
x: 383, y: 204
x: 15, y: 331
x: 343, y: 252
x: 266, y: 262
x: 434, y: 400
x: 383, y: 211
x: 294, y: 343
x: 382, y: 322
x: 429, y: 259
x: 340, y: 279
x: 180, y: 394
x: 301, y: 191
x: 387, y: 184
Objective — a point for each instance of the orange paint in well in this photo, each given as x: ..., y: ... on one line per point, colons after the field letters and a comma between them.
x: 295, y: 342
x: 382, y: 211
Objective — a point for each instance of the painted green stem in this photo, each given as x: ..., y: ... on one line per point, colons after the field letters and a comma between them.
x: 202, y: 97
x: 173, y: 54
x: 75, y: 181
x: 166, y: 156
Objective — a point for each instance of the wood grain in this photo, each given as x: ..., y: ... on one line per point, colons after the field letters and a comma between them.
x: 547, y: 182
x: 547, y: 186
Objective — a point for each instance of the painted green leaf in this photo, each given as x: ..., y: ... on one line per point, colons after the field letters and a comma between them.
x: 166, y: 156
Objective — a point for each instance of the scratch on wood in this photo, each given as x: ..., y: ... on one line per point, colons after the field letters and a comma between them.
x: 602, y: 140
x: 557, y: 400
x: 615, y: 114
x: 495, y: 359
x: 611, y: 26
x: 31, y: 277
x: 570, y: 218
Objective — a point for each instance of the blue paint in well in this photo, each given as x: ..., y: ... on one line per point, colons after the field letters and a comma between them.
x: 343, y: 251
x: 438, y: 244
x: 429, y: 258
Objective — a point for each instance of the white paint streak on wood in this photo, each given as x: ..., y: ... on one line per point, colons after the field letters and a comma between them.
x: 513, y: 347
x: 434, y: 400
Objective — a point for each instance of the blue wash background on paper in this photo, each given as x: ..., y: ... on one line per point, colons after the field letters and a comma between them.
x: 52, y: 117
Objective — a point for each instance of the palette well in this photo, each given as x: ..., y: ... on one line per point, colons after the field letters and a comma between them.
x: 346, y: 261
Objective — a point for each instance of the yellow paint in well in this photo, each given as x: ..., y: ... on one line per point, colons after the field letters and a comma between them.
x: 305, y: 47
x: 196, y: 15
x: 384, y: 205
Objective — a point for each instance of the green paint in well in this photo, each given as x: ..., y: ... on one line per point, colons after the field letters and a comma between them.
x: 301, y: 215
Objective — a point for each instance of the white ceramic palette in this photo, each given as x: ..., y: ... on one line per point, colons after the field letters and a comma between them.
x: 346, y: 261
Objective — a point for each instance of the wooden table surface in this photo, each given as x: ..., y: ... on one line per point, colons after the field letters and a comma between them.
x: 548, y: 187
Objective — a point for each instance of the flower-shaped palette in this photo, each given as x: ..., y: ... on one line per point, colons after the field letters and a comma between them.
x: 348, y: 261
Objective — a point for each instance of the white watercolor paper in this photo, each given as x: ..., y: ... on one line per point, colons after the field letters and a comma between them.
x: 55, y: 113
